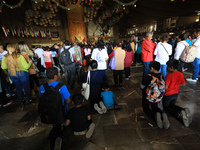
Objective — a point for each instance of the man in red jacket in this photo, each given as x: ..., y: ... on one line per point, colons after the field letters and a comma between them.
x: 148, y: 48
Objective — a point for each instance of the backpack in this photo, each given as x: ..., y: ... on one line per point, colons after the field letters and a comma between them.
x: 50, y: 105
x: 189, y: 53
x: 65, y: 57
x: 155, y: 90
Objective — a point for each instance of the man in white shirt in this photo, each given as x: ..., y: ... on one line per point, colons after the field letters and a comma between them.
x: 179, y: 50
x: 71, y: 69
x: 196, y: 62
x: 162, y: 52
x: 100, y: 55
x: 39, y: 55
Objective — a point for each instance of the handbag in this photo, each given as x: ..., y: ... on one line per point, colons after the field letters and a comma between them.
x: 112, y: 64
x: 85, y: 91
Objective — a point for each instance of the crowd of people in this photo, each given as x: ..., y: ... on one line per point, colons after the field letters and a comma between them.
x: 21, y: 66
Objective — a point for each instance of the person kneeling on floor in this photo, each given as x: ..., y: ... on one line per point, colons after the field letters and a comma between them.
x: 153, y: 88
x: 80, y: 118
x: 172, y: 82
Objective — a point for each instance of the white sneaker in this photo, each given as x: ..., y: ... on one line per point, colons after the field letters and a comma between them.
x: 90, y: 130
x: 191, y: 80
x: 8, y: 95
x: 99, y: 110
x: 103, y: 107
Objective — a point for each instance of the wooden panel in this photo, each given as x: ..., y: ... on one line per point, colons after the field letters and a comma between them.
x: 76, y: 26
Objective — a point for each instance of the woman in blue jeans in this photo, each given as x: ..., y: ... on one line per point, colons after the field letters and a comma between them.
x: 17, y: 71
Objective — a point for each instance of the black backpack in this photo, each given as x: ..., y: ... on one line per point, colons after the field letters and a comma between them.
x: 50, y: 106
x: 65, y: 57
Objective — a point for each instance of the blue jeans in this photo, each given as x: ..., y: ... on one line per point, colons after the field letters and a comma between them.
x: 21, y: 81
x: 164, y: 70
x: 196, y: 64
x: 146, y: 68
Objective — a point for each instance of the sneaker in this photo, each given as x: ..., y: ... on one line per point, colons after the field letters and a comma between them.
x: 184, y: 69
x: 13, y: 94
x: 197, y: 79
x: 9, y: 103
x: 158, y: 120
x: 188, y: 114
x: 191, y: 80
x: 90, y: 130
x: 8, y: 95
x: 184, y: 118
x: 120, y: 84
x: 165, y: 121
x: 58, y: 143
x: 103, y: 107
x: 126, y: 78
x: 99, y: 110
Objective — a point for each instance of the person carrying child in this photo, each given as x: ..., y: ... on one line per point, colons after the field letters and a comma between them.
x: 80, y: 117
x: 108, y: 100
x: 173, y: 80
x: 148, y: 86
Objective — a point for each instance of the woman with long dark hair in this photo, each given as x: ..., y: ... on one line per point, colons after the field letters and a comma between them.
x: 100, y: 55
x: 128, y: 60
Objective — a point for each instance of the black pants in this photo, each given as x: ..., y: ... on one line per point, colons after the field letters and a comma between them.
x: 95, y: 94
x: 3, y: 98
x: 88, y: 57
x: 56, y: 61
x: 33, y: 78
x: 58, y: 132
x: 71, y: 72
x: 170, y: 107
x: 138, y: 58
x: 127, y: 71
x: 181, y: 65
x: 118, y: 75
x: 149, y: 108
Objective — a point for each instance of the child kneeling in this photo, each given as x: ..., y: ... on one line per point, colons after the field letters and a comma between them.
x: 172, y: 82
x: 151, y: 108
x: 80, y: 118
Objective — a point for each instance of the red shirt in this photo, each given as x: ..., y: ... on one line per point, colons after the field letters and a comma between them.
x: 173, y: 80
x: 128, y: 59
x: 148, y: 48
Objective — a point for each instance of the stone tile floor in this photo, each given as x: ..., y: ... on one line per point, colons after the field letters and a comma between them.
x: 125, y: 129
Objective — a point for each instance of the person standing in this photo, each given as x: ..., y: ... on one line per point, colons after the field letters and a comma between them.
x: 128, y: 61
x: 17, y: 71
x: 147, y: 52
x: 196, y: 62
x: 70, y: 68
x: 162, y: 52
x: 179, y: 50
x: 100, y: 55
x: 118, y: 72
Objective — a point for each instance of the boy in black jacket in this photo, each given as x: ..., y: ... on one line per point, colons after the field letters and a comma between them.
x: 152, y: 109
